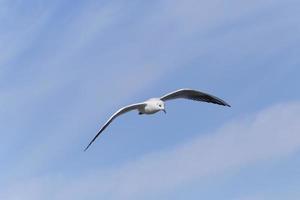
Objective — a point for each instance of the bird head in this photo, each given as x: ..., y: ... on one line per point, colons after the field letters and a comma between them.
x: 161, y: 106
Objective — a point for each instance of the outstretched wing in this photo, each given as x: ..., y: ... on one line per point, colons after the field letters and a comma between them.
x: 118, y: 113
x: 194, y: 95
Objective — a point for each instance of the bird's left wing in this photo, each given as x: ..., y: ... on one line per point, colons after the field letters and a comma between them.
x: 194, y: 95
x: 118, y: 113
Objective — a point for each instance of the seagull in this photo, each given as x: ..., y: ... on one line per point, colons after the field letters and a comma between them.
x: 155, y: 105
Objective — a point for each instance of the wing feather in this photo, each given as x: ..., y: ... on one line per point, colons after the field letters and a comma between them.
x: 115, y: 115
x: 194, y: 95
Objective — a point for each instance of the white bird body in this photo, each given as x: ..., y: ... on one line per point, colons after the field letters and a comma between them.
x: 155, y: 105
x: 152, y: 106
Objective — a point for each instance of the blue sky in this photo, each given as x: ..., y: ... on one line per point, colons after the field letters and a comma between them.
x: 66, y: 66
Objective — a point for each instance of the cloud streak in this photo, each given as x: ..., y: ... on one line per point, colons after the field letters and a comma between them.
x: 270, y: 134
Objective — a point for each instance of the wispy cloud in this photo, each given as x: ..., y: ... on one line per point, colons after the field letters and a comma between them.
x: 21, y: 24
x: 270, y: 134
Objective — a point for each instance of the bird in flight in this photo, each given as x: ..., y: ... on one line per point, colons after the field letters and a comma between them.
x: 155, y: 105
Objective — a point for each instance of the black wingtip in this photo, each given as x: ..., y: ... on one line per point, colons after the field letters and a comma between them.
x: 224, y: 103
x: 86, y: 148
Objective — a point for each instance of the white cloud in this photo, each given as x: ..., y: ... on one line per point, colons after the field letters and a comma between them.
x: 270, y: 134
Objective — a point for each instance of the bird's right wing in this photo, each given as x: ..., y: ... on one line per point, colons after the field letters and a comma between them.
x: 118, y: 113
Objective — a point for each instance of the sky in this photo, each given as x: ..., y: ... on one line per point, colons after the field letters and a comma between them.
x: 66, y: 66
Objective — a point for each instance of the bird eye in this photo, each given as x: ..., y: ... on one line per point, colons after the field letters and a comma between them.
x: 159, y: 105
